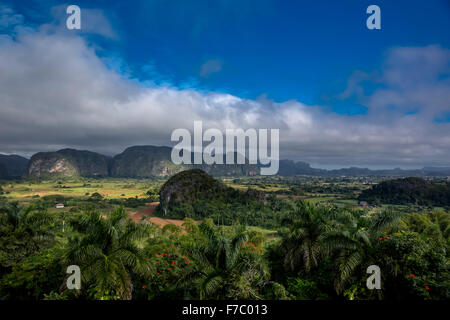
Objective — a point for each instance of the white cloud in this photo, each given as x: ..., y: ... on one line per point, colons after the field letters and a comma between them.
x: 57, y: 92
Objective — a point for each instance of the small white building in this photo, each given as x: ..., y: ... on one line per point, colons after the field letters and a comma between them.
x: 59, y: 206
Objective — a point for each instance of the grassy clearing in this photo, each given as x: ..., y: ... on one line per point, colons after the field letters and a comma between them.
x: 108, y: 188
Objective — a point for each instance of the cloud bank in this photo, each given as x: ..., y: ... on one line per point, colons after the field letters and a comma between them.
x: 57, y: 92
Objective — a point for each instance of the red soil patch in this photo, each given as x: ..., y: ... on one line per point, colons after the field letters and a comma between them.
x: 145, y: 213
x: 160, y: 222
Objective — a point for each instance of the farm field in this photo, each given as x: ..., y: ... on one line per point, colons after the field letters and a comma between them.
x: 109, y: 188
x: 264, y: 221
x: 76, y: 193
x: 337, y: 191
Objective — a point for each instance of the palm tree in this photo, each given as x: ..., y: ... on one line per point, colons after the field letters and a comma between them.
x: 23, y: 231
x: 108, y: 251
x: 303, y: 242
x: 225, y: 266
x: 354, y: 237
x: 25, y: 220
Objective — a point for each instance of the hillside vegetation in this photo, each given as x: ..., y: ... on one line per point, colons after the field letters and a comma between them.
x: 196, y: 194
x: 408, y: 190
x: 68, y: 163
x: 12, y: 166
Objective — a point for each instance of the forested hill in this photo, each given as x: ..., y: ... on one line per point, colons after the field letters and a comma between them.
x: 408, y: 191
x: 12, y: 166
x: 196, y: 194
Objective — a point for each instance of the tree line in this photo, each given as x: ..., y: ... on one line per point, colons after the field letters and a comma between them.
x: 318, y: 252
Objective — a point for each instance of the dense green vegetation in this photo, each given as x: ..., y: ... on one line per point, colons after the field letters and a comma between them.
x: 197, y: 195
x: 409, y: 190
x: 247, y: 242
x: 12, y: 166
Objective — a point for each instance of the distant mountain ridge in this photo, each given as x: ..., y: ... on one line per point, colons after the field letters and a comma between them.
x: 291, y: 168
x: 155, y: 161
x: 133, y: 162
x: 397, y: 172
x: 68, y: 163
x: 3, y: 172
x: 12, y: 166
x: 151, y: 161
x: 143, y: 162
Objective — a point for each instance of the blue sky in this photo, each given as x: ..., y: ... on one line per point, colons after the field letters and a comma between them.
x: 348, y: 87
x: 281, y: 49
